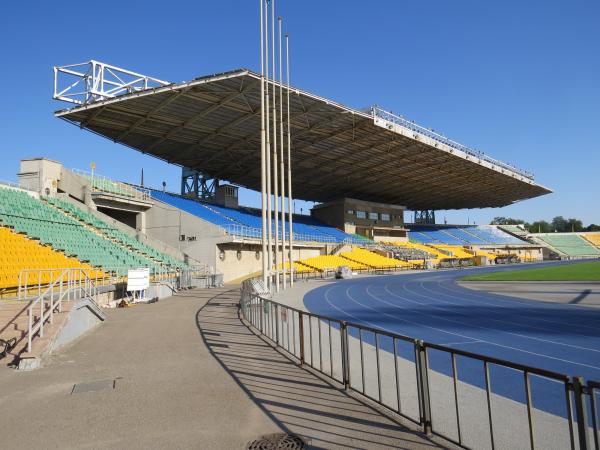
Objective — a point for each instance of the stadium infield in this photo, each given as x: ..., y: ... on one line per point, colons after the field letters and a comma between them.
x: 582, y: 271
x: 562, y: 338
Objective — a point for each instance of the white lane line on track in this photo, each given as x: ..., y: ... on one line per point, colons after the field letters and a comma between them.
x: 461, y: 342
x: 359, y: 321
x: 481, y: 301
x: 470, y: 296
x: 469, y: 337
x: 524, y: 336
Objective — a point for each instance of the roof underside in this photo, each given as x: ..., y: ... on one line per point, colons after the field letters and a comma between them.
x: 212, y: 124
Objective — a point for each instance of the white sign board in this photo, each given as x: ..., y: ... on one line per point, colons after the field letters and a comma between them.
x: 138, y: 279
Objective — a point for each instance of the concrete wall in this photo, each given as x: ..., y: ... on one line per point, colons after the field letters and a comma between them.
x: 76, y: 186
x: 189, y: 234
x: 534, y: 253
x: 40, y: 175
x: 237, y: 260
x: 83, y: 317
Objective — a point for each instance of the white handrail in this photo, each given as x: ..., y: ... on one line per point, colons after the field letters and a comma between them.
x: 67, y: 284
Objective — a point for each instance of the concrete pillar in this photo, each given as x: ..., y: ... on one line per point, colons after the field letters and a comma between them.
x: 140, y: 222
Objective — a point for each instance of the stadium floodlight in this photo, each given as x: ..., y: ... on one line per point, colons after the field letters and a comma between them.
x: 93, y: 81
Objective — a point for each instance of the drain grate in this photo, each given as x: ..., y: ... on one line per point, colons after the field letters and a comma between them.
x: 94, y: 386
x: 277, y: 441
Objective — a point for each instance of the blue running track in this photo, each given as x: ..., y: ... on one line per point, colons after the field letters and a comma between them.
x: 431, y: 306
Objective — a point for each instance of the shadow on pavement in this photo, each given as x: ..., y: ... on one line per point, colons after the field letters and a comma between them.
x: 296, y: 400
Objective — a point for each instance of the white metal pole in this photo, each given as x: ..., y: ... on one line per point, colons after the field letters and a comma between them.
x: 268, y: 153
x: 289, y: 161
x: 275, y: 156
x: 281, y: 159
x: 263, y: 162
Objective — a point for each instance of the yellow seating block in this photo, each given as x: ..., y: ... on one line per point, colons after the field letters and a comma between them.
x: 331, y: 262
x: 372, y: 259
x: 18, y: 253
x: 456, y: 250
x: 594, y: 238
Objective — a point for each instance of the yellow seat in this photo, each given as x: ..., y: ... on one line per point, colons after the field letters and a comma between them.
x: 19, y: 253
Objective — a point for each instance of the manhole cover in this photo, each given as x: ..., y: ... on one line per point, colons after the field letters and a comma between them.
x: 277, y: 441
x: 94, y: 386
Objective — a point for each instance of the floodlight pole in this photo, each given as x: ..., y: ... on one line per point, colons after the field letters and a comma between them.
x: 281, y: 159
x: 263, y: 163
x: 268, y: 154
x: 275, y: 169
x: 289, y: 160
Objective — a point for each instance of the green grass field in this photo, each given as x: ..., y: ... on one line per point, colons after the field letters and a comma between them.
x: 585, y: 271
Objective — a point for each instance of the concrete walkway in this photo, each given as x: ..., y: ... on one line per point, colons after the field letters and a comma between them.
x: 181, y: 373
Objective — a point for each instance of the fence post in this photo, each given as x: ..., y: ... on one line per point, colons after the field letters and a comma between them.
x: 581, y: 413
x: 277, y: 312
x: 423, y: 379
x: 345, y: 358
x: 301, y: 335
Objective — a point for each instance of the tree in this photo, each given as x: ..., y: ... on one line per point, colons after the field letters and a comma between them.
x: 574, y: 225
x: 539, y: 226
x: 559, y: 224
x: 592, y: 227
x: 505, y: 221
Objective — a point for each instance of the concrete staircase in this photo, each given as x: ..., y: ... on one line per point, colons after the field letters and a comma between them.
x: 14, y: 324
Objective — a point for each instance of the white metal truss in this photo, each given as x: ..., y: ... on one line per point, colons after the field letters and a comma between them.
x: 93, y: 81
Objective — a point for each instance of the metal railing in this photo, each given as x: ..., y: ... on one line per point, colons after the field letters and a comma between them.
x: 461, y: 396
x: 387, y: 116
x: 71, y: 283
x: 243, y: 231
x: 32, y: 282
x: 93, y: 81
x: 101, y: 183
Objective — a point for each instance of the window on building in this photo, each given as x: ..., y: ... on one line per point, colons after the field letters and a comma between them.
x: 373, y: 216
x: 350, y: 211
x: 385, y: 217
x: 361, y: 214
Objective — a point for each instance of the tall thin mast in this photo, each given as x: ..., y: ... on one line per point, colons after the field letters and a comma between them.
x: 275, y: 168
x: 281, y: 158
x: 268, y: 154
x: 289, y: 160
x: 263, y: 163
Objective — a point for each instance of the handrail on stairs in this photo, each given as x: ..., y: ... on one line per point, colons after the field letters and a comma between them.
x: 67, y: 284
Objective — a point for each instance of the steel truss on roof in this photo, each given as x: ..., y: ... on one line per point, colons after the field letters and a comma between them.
x: 93, y: 81
x: 212, y: 124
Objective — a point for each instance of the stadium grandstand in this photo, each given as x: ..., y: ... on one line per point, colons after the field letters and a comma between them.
x: 252, y: 326
x: 364, y: 169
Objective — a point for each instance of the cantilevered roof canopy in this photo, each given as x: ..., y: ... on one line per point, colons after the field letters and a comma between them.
x: 212, y: 124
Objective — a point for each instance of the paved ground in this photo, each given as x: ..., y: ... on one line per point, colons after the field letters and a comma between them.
x: 185, y: 375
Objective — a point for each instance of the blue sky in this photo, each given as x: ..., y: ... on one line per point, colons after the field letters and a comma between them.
x: 519, y: 80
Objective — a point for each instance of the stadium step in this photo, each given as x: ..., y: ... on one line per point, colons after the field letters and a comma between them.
x: 14, y: 323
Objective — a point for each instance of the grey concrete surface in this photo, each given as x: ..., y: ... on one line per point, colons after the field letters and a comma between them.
x: 568, y: 292
x: 181, y: 374
x: 299, y: 401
